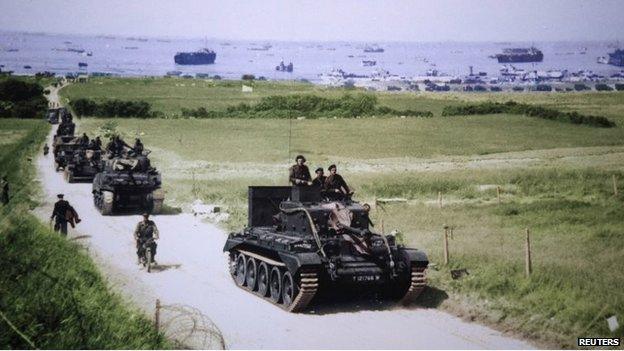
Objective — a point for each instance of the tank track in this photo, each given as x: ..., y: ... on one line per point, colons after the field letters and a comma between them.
x: 418, y: 282
x: 306, y: 280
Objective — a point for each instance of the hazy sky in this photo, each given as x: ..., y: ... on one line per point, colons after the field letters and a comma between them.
x: 363, y: 20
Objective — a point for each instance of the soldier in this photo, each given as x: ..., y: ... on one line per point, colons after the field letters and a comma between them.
x: 46, y: 149
x: 4, y: 196
x: 138, y: 146
x: 97, y: 143
x: 299, y: 173
x: 145, y: 230
x: 63, y: 213
x: 319, y: 181
x: 84, y: 140
x: 335, y: 186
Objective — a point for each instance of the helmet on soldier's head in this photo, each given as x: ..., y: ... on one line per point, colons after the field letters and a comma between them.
x: 300, y: 157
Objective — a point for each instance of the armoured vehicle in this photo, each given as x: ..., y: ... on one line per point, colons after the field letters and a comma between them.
x: 67, y: 126
x: 63, y: 148
x: 297, y: 243
x: 84, y: 164
x: 201, y: 57
x: 52, y: 116
x: 616, y: 58
x: 128, y: 183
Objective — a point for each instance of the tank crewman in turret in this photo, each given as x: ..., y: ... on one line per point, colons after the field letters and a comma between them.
x: 145, y: 230
x: 319, y: 181
x: 116, y: 146
x: 138, y: 146
x: 62, y: 214
x: 299, y: 173
x: 96, y: 144
x: 335, y: 186
x: 84, y: 140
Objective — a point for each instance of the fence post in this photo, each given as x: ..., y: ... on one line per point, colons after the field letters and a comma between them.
x: 498, y: 191
x: 157, y: 316
x: 446, y: 248
x: 528, y: 267
x: 615, y: 189
x: 439, y: 199
x: 452, y: 227
x: 382, y: 227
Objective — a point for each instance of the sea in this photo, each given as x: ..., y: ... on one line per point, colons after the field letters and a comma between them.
x: 143, y: 56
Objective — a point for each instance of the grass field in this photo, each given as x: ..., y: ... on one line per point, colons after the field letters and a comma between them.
x: 50, y: 290
x: 556, y: 179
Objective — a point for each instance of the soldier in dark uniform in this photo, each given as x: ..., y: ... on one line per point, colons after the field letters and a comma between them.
x: 5, y: 191
x: 319, y: 181
x: 145, y: 230
x: 138, y: 146
x: 299, y: 173
x: 84, y: 140
x: 335, y: 186
x: 116, y: 146
x: 46, y: 150
x: 60, y: 214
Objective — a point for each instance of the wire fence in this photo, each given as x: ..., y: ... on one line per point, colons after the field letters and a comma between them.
x: 187, y: 327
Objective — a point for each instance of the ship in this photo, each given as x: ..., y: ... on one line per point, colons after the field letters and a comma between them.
x: 284, y: 68
x: 368, y: 63
x: 201, y: 57
x: 515, y: 55
x: 616, y: 58
x: 82, y: 64
x: 373, y: 48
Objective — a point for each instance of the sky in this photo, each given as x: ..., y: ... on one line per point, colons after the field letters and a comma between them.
x: 324, y: 20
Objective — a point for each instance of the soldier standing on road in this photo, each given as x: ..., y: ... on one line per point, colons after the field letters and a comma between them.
x: 138, y: 146
x: 46, y: 149
x: 335, y: 185
x: 4, y: 196
x: 145, y: 230
x: 319, y: 181
x: 299, y: 173
x: 62, y: 214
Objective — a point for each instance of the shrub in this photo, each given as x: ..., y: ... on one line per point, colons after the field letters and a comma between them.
x: 602, y: 87
x: 619, y: 86
x: 581, y: 87
x: 512, y: 107
x: 112, y: 108
x: 20, y: 99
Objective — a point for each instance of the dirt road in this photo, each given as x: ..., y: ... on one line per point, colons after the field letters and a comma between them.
x: 193, y: 271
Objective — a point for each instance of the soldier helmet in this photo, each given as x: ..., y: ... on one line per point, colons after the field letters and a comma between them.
x: 320, y: 169
x: 300, y: 157
x: 60, y: 196
x: 145, y: 214
x: 330, y: 167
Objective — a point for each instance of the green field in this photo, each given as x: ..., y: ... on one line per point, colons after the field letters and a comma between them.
x: 556, y: 179
x: 52, y: 296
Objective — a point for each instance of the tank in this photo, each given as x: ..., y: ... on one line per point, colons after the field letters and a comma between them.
x: 83, y: 165
x: 67, y: 126
x: 52, y: 116
x: 63, y: 148
x: 297, y: 243
x: 128, y: 183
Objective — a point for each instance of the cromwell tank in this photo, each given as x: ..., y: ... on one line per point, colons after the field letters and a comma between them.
x: 297, y: 243
x: 128, y: 183
x: 84, y: 164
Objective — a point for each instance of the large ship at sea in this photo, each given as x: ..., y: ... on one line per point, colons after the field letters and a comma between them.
x: 515, y: 55
x: 616, y: 58
x: 201, y: 57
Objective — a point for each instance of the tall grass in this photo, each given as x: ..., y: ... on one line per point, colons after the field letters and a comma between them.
x: 51, y: 293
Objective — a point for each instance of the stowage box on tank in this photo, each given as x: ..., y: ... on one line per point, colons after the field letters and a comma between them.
x: 296, y: 243
x: 128, y: 183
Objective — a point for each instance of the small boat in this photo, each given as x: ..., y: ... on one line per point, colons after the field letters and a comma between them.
x: 602, y: 59
x: 27, y: 67
x: 284, y: 68
x: 174, y: 73
x: 131, y: 47
x: 373, y: 48
x: 369, y: 63
x: 82, y: 64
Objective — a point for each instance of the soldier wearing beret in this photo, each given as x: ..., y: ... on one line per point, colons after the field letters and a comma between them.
x: 299, y: 172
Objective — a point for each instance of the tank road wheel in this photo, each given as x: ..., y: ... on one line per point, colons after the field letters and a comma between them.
x: 240, y: 270
x: 251, y: 273
x: 263, y: 279
x: 106, y: 206
x: 275, y: 284
x: 418, y: 282
x: 289, y: 289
